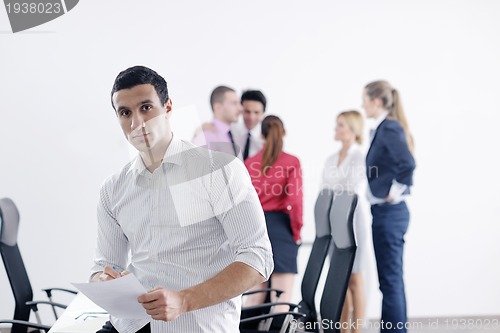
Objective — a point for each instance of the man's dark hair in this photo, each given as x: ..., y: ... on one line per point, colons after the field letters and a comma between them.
x: 254, y: 95
x: 137, y: 75
x: 217, y: 95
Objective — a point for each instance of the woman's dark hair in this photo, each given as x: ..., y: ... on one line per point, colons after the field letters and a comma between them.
x: 273, y: 132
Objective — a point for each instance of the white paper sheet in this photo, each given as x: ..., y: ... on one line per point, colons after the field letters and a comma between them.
x: 118, y: 296
x: 88, y: 325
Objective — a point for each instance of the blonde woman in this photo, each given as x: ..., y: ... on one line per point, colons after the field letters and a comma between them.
x: 389, y: 165
x: 345, y: 171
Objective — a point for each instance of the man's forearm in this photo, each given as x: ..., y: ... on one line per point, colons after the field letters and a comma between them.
x: 234, y: 280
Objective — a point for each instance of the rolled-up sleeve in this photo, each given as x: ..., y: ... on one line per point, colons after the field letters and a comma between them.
x: 237, y: 207
x: 112, y: 244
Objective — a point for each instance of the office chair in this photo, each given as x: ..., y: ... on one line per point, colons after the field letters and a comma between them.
x: 274, y: 322
x: 254, y: 311
x: 338, y: 240
x: 305, y: 311
x: 16, y: 271
x: 342, y: 253
x: 21, y: 324
x: 318, y: 254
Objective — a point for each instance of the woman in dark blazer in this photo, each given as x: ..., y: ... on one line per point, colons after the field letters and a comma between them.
x: 389, y: 168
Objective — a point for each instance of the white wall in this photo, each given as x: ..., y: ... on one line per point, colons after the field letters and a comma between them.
x: 59, y: 139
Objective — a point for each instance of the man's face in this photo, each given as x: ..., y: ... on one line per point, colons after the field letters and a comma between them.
x: 230, y: 108
x: 253, y: 111
x: 143, y: 118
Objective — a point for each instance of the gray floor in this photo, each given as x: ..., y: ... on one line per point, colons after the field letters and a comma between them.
x: 486, y: 324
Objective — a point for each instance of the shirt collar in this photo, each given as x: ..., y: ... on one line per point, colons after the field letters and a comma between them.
x: 380, y: 119
x: 173, y: 155
x: 255, y: 132
x: 137, y: 165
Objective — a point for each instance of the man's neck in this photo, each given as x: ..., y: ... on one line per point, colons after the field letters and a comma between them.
x: 153, y: 158
x: 250, y: 129
x: 220, y: 119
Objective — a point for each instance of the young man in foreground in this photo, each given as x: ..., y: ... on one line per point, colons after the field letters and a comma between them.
x: 186, y: 221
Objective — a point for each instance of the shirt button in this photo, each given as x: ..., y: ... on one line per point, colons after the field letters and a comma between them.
x: 289, y: 207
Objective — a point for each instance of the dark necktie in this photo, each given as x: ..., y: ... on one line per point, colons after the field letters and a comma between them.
x: 232, y: 143
x: 247, y: 147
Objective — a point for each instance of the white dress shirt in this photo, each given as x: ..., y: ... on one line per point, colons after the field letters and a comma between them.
x: 241, y: 134
x: 180, y: 226
x: 350, y: 175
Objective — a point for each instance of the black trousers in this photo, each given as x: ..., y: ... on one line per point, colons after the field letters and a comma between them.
x: 109, y: 328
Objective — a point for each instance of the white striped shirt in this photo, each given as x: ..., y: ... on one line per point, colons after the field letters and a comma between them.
x: 180, y: 226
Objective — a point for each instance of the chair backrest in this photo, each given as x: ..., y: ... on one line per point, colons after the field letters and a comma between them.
x: 13, y: 262
x: 318, y: 254
x: 342, y: 253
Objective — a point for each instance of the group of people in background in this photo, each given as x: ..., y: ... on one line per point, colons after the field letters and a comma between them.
x: 387, y: 168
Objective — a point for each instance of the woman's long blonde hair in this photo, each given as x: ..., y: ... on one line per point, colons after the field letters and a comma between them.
x: 391, y: 101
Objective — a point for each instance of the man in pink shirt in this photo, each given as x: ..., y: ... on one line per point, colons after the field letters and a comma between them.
x: 226, y: 107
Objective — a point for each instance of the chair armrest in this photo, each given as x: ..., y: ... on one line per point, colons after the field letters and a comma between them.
x: 34, y: 307
x: 33, y: 304
x: 272, y: 315
x: 26, y: 323
x: 49, y: 291
x: 268, y: 305
x: 277, y: 291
